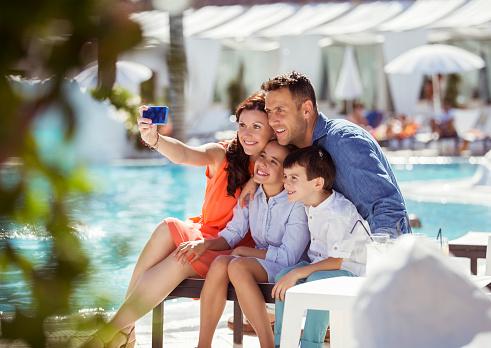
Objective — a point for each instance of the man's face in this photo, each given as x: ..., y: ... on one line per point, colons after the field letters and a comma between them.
x: 285, y: 117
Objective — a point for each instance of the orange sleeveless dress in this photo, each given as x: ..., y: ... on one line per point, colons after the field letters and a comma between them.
x: 216, y: 212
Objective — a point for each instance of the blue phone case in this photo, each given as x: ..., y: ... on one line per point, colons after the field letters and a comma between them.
x: 158, y: 114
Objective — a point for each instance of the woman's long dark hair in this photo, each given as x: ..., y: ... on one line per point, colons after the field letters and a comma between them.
x: 238, y: 160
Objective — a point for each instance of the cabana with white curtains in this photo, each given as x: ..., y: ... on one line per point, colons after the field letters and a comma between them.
x: 311, y: 38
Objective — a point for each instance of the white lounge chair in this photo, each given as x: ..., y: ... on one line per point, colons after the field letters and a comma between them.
x: 465, y: 120
x: 479, y: 132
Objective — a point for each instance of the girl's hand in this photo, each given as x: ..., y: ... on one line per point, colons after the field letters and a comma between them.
x: 249, y: 252
x: 239, y: 251
x: 190, y: 251
x: 286, y: 282
x: 247, y: 192
x: 148, y: 131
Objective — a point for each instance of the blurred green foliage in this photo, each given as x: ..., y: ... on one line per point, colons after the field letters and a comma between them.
x: 127, y: 106
x: 47, y: 39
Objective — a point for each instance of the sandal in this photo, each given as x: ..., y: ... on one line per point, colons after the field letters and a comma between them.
x: 93, y: 337
x: 127, y: 335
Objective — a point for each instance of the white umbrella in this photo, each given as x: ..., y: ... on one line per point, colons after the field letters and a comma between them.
x: 128, y: 75
x: 434, y: 60
x: 349, y: 85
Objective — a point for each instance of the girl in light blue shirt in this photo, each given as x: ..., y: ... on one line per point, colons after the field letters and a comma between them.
x: 280, y: 231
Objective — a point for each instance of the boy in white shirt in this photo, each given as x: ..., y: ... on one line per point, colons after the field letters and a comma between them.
x: 338, y: 236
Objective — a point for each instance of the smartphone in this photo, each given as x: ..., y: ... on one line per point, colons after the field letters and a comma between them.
x: 158, y: 114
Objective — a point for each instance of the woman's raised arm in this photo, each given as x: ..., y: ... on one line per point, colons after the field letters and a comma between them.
x: 176, y: 151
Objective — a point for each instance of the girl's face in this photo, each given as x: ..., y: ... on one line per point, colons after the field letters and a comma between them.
x: 268, y: 168
x: 254, y: 131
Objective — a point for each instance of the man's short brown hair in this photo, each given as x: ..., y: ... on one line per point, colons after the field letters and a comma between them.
x: 298, y: 84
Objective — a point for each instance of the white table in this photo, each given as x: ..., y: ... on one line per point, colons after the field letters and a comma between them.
x: 336, y: 295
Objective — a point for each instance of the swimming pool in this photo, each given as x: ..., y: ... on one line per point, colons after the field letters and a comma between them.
x: 116, y: 221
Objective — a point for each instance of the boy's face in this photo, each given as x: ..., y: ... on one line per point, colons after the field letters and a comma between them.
x: 299, y: 188
x: 268, y: 168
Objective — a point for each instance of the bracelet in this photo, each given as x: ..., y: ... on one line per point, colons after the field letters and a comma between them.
x: 154, y: 146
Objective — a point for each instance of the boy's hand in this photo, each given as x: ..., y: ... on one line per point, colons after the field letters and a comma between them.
x: 190, y: 251
x: 279, y: 290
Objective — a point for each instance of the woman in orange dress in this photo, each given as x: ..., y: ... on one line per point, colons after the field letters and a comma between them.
x: 228, y: 167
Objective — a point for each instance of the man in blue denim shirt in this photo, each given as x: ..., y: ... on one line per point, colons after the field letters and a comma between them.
x: 363, y: 173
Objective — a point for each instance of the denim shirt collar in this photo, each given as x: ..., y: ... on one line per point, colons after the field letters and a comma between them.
x: 319, y: 128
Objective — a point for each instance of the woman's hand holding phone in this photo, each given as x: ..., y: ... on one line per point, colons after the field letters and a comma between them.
x: 148, y: 131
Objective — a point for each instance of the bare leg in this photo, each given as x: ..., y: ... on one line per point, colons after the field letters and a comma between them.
x: 158, y: 247
x: 154, y: 285
x: 213, y: 299
x: 245, y: 273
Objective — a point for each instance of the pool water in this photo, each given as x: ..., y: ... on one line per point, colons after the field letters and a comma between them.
x: 116, y: 221
x: 454, y: 219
